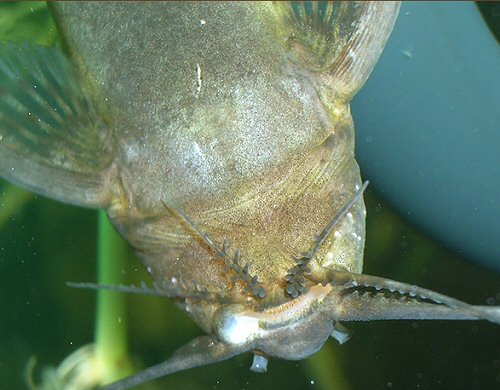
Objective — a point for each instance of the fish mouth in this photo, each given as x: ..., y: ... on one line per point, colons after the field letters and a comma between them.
x: 292, y: 330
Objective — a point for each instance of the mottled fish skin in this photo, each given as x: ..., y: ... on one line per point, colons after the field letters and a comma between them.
x: 219, y: 140
x: 213, y: 108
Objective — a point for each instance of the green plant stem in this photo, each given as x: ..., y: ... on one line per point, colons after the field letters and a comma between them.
x: 12, y: 200
x: 111, y: 323
x: 325, y: 369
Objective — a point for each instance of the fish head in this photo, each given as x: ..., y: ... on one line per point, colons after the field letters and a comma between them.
x: 238, y: 115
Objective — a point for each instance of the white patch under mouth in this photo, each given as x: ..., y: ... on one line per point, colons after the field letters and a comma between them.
x: 239, y: 329
x: 245, y: 326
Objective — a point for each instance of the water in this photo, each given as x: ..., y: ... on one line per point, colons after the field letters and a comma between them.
x: 43, y: 244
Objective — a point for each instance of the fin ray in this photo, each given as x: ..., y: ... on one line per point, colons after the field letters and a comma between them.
x: 342, y: 38
x: 52, y: 139
x: 434, y: 305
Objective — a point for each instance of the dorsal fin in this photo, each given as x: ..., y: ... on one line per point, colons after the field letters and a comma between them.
x: 52, y: 139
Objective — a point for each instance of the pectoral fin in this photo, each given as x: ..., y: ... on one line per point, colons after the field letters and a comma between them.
x: 199, y: 352
x: 359, y: 297
x: 52, y: 139
x: 341, y: 38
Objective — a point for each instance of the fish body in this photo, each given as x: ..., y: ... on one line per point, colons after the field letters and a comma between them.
x: 219, y: 140
x: 259, y: 151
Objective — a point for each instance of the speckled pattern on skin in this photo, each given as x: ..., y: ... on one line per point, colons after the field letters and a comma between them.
x: 268, y: 163
x: 224, y: 144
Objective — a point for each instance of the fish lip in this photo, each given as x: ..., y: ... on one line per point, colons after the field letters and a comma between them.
x: 291, y: 330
